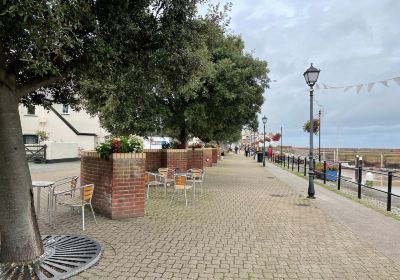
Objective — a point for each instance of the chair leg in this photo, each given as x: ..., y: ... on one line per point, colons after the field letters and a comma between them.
x: 185, y: 197
x: 148, y: 189
x: 165, y: 189
x: 91, y: 207
x: 172, y: 198
x: 83, y: 217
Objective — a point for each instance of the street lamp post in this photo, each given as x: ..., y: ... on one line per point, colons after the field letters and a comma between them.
x: 281, y: 146
x: 264, y: 120
x: 311, y: 77
x: 319, y: 135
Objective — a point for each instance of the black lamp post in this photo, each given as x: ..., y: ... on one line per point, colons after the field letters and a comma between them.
x: 311, y: 77
x: 319, y: 135
x: 264, y: 120
x: 281, y: 146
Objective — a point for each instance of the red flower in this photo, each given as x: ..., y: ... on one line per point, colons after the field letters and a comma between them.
x: 115, y: 145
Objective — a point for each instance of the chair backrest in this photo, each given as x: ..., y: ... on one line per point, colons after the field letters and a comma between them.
x: 196, y: 173
x: 70, y: 181
x: 87, y: 193
x: 166, y: 172
x: 180, y: 181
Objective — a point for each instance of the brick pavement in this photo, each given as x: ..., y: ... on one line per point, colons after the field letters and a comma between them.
x: 248, y: 225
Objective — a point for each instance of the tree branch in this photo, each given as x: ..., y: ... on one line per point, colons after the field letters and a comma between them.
x: 36, y: 84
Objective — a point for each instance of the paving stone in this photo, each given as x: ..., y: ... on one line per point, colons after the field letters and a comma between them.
x: 247, y: 225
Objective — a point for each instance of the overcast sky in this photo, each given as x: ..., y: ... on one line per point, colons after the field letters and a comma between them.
x: 352, y: 42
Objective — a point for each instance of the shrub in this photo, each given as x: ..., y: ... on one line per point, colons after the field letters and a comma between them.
x: 122, y: 144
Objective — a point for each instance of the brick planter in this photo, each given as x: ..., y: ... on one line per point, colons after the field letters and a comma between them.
x: 207, y: 157
x: 119, y: 183
x: 175, y: 158
x: 153, y: 159
x: 195, y: 158
x: 214, y: 155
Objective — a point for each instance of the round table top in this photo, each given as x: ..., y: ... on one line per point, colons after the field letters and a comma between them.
x: 42, y: 184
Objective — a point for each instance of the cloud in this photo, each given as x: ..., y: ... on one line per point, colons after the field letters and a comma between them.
x: 351, y: 42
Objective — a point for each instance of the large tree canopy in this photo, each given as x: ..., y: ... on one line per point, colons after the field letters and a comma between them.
x: 199, y: 83
x: 53, y: 51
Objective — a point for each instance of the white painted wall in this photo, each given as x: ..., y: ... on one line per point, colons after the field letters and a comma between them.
x: 63, y: 150
x: 58, y: 131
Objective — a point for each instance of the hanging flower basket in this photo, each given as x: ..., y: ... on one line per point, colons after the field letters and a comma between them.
x: 306, y: 126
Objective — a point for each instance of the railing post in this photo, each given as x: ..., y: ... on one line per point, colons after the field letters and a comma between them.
x: 359, y: 178
x: 389, y: 192
x: 305, y: 166
x: 288, y: 162
x: 298, y: 164
x: 339, y: 175
x: 292, y: 163
x: 44, y: 153
x: 324, y: 171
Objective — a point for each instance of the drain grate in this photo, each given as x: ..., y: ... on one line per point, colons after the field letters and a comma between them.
x: 65, y: 256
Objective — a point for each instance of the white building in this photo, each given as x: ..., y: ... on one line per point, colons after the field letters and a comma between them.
x: 62, y: 124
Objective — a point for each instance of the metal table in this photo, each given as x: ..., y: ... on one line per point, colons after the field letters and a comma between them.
x: 39, y: 185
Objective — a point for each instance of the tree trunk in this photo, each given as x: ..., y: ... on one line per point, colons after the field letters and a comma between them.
x: 20, y: 236
x: 183, y: 138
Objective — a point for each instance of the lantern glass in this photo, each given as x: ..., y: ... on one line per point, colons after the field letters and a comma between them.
x: 311, y: 75
x: 264, y: 120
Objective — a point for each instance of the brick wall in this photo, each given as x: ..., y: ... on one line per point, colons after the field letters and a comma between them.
x: 214, y: 155
x: 153, y: 159
x: 195, y: 158
x: 119, y: 183
x: 175, y: 158
x: 207, y: 157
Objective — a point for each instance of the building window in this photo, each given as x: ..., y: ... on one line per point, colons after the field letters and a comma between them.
x: 65, y: 109
x: 31, y: 139
x: 30, y: 110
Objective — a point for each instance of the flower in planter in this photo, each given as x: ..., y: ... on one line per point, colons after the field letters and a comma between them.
x: 306, y: 126
x: 123, y: 144
x: 276, y: 137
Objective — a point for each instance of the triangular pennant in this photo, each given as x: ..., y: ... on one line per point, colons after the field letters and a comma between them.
x: 325, y: 86
x: 385, y: 83
x: 317, y: 86
x: 397, y: 80
x: 347, y: 88
x: 359, y: 87
x: 370, y: 85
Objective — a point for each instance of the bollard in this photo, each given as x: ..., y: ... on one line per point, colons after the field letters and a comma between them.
x: 389, y: 192
x: 324, y: 171
x: 284, y: 160
x: 359, y: 181
x: 292, y: 162
x: 298, y: 164
x: 288, y: 162
x: 305, y: 166
x: 339, y: 175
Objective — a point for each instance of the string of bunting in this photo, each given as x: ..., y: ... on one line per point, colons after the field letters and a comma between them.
x: 358, y: 87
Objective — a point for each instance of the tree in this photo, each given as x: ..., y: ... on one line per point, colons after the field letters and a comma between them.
x: 50, y: 51
x: 41, y: 43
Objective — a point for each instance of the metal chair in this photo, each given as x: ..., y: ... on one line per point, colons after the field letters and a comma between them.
x: 85, y: 198
x: 67, y: 182
x: 181, y: 183
x: 196, y: 175
x: 166, y: 177
x: 152, y: 179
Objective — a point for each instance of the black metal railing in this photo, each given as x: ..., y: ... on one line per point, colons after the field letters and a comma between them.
x: 36, y: 153
x: 333, y: 173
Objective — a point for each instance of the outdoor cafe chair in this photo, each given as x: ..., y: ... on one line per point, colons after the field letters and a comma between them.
x: 181, y: 184
x: 85, y: 198
x: 166, y: 177
x: 195, y: 176
x: 152, y: 180
x: 69, y: 183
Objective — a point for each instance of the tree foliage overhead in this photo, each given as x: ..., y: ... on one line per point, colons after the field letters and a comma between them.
x: 195, y: 80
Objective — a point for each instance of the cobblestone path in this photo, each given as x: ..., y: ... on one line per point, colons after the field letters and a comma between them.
x: 247, y: 225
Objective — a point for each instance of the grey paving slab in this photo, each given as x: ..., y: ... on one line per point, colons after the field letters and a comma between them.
x: 373, y: 227
x: 249, y: 224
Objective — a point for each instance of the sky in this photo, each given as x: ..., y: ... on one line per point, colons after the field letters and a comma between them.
x: 351, y: 42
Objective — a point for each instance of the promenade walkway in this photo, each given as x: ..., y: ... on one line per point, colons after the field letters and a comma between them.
x: 249, y: 224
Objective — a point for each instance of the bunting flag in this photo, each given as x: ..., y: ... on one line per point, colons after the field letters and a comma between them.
x: 358, y: 87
